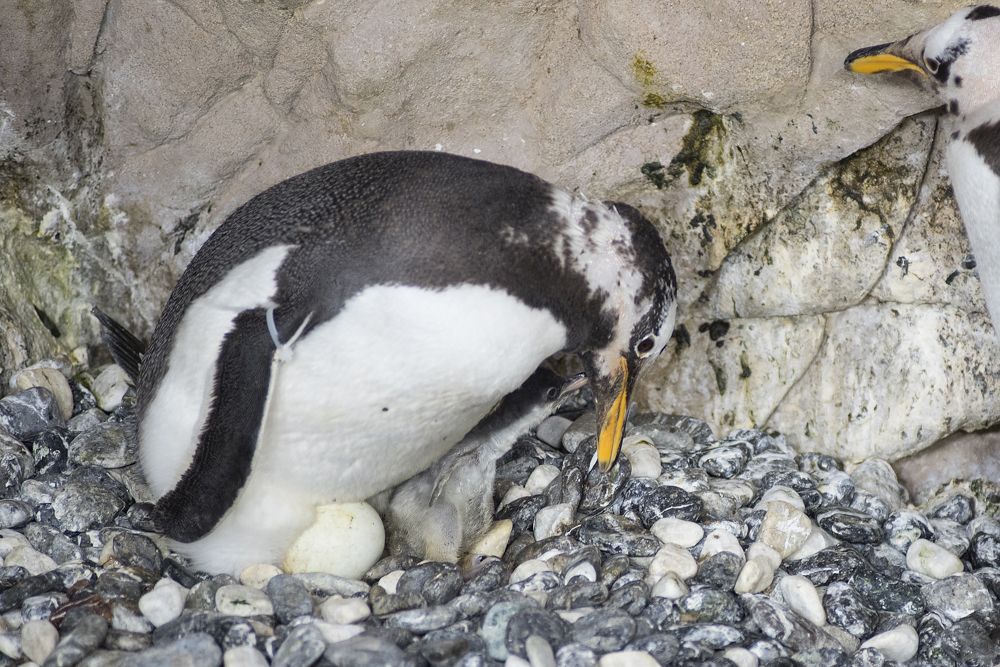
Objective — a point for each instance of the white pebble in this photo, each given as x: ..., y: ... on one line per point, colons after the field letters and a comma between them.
x: 10, y: 644
x: 35, y: 562
x: 239, y: 600
x: 540, y: 478
x: 677, y: 531
x: 783, y: 493
x: 818, y: 540
x: 38, y: 639
x: 785, y: 528
x: 671, y: 558
x: 802, y: 597
x: 627, y: 659
x: 539, y: 652
x: 765, y: 553
x: 644, y: 459
x: 389, y: 581
x: 346, y: 539
x: 669, y: 586
x: 740, y: 656
x: 571, y: 616
x: 515, y: 492
x: 494, y: 542
x: 899, y: 644
x: 258, y: 575
x: 755, y: 576
x: 109, y: 387
x: 718, y: 541
x: 925, y: 557
x: 164, y: 603
x: 333, y: 632
x: 47, y: 378
x: 243, y: 656
x: 344, y: 611
x: 515, y: 661
x: 553, y: 520
x: 528, y: 568
x: 10, y: 540
x: 583, y: 569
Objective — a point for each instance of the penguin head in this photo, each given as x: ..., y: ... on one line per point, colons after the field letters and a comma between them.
x: 527, y: 406
x: 638, y: 326
x: 959, y: 58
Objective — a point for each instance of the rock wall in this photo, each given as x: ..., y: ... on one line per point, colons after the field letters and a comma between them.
x: 827, y: 289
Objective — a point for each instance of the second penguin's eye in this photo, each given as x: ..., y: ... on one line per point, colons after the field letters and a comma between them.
x: 552, y: 393
x: 932, y: 65
x: 645, y: 346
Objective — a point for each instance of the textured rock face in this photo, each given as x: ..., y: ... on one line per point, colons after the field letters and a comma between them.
x: 826, y: 286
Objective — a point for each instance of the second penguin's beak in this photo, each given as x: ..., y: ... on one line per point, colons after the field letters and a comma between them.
x: 888, y: 57
x: 612, y: 409
x: 573, y: 384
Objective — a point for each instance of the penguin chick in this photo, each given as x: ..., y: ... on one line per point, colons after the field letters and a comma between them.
x: 444, y: 510
x: 960, y: 59
x: 344, y: 329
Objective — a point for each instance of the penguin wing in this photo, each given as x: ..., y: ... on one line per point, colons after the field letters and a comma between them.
x: 125, y: 348
x: 225, y: 449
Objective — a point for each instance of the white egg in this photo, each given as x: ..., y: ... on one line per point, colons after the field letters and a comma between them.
x: 346, y: 540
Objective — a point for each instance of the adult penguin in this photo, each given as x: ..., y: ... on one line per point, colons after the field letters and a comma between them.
x: 345, y: 328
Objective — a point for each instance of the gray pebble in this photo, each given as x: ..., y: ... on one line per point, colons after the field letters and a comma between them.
x: 195, y: 650
x: 89, y: 499
x: 364, y: 651
x: 535, y: 622
x: 138, y: 551
x: 14, y: 513
x: 289, y: 598
x: 27, y: 413
x: 303, y: 646
x: 77, y: 642
x: 16, y: 465
x: 958, y: 596
x: 604, y: 630
x: 436, y: 582
x: 422, y: 620
x: 107, y: 445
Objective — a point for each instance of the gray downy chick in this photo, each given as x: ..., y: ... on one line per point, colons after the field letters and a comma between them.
x: 440, y: 513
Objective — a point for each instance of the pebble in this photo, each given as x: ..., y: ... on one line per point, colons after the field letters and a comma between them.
x: 785, y: 528
x: 38, y: 639
x: 719, y: 570
x: 725, y: 461
x: 929, y: 559
x: 778, y: 622
x: 682, y: 533
x: 89, y: 499
x: 14, y: 513
x: 951, y: 535
x: 110, y: 387
x: 553, y: 520
x: 670, y: 586
x: 28, y: 413
x: 189, y: 651
x: 515, y: 492
x: 243, y: 656
x: 899, y: 644
x: 289, y: 598
x: 845, y: 608
x: 552, y: 430
x: 304, y: 645
x: 164, y: 602
x: 802, y: 597
x: 77, y: 642
x: 46, y: 378
x: 765, y: 553
x: 671, y: 558
x: 540, y: 478
x: 851, y: 526
x: 604, y: 630
x: 495, y: 541
x: 389, y: 581
x: 239, y: 600
x: 257, y: 575
x: 107, y: 445
x: 956, y: 507
x: 539, y: 652
x: 615, y: 534
x: 755, y: 576
x: 958, y: 596
x: 904, y: 527
x: 546, y: 625
x: 740, y: 657
x: 627, y: 659
x: 984, y: 550
x: 719, y: 541
x: 344, y: 611
x: 644, y: 459
x: 31, y: 560
x: 783, y: 494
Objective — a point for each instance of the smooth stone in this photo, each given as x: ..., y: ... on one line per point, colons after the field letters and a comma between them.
x: 47, y: 378
x: 194, y: 650
x: 719, y: 541
x: 515, y: 492
x: 669, y: 586
x: 575, y: 655
x: 585, y: 427
x: 344, y: 611
x: 86, y: 635
x: 605, y: 630
x: 303, y: 646
x: 802, y: 597
x: 929, y: 559
x: 90, y: 499
x: 137, y: 551
x: 334, y: 633
x: 724, y: 461
x: 546, y: 625
x: 778, y: 622
x: 364, y: 651
x: 529, y: 568
x: 951, y: 535
x: 818, y: 540
x: 14, y: 513
x: 984, y: 550
x: 847, y: 609
x: 551, y: 430
x: 289, y: 598
x: 671, y: 558
x: 899, y: 644
x: 164, y: 603
x: 755, y: 576
x: 627, y: 659
x: 35, y: 562
x: 516, y: 661
x: 494, y: 624
x: 671, y: 530
x: 38, y: 640
x: 904, y: 527
x: 239, y: 600
x: 785, y: 528
x: 553, y: 520
x: 956, y: 507
x: 877, y: 477
x: 28, y: 413
x: 257, y: 575
x: 346, y: 539
x: 243, y: 656
x: 691, y: 480
x: 783, y: 494
x: 422, y: 620
x: 495, y: 541
x: 10, y: 644
x: 847, y: 641
x: 959, y: 596
x: 539, y: 652
x: 390, y: 581
x: 669, y: 501
x: 323, y: 584
x: 851, y: 526
x: 615, y: 534
x: 10, y: 540
x: 540, y: 478
x: 107, y: 445
x: 110, y: 387
x: 740, y: 657
x: 765, y: 553
x: 644, y: 458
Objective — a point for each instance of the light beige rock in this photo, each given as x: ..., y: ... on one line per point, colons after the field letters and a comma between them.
x: 670, y: 585
x: 494, y: 542
x: 899, y: 644
x: 38, y: 639
x: 784, y: 528
x: 345, y: 539
x: 671, y: 530
x: 344, y: 611
x: 258, y: 575
x: 755, y: 576
x: 802, y: 597
x: 47, y: 378
x: 671, y: 558
x: 928, y: 558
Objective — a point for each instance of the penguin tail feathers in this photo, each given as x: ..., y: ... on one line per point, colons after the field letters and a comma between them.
x: 125, y: 348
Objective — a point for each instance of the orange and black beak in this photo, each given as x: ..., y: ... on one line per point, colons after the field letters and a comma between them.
x: 888, y: 57
x: 612, y: 391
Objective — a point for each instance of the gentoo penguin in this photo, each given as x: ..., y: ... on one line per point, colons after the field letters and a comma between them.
x: 345, y: 328
x: 444, y: 510
x: 961, y: 59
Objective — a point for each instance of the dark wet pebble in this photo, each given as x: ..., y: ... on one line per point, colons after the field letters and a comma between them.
x: 847, y: 609
x: 719, y: 571
x: 80, y: 636
x: 851, y: 526
x: 612, y: 533
x: 631, y: 598
x: 436, y: 582
x: 836, y: 563
x: 575, y: 594
x: 27, y: 413
x: 957, y: 507
x: 13, y: 597
x: 669, y: 501
x: 884, y: 593
x: 194, y: 649
x: 904, y: 527
x: 725, y: 461
x: 522, y: 512
x: 984, y: 550
x: 710, y: 605
x: 303, y: 646
x: 107, y: 445
x: 289, y: 598
x: 383, y: 603
x: 138, y: 551
x: 661, y: 645
x: 604, y: 630
x: 53, y: 543
x: 16, y: 465
x: 778, y: 622
x: 89, y: 499
x: 600, y: 489
x: 872, y: 505
x: 546, y: 624
x: 50, y: 450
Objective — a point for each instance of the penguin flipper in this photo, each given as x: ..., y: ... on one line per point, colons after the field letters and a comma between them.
x: 125, y: 348
x: 221, y: 464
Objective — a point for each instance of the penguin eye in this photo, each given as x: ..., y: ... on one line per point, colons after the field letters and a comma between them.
x: 553, y: 393
x: 645, y: 346
x: 932, y: 65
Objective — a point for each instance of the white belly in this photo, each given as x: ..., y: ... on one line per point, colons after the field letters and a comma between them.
x: 395, y: 380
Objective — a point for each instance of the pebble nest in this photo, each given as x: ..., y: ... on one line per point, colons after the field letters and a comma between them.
x: 692, y: 550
